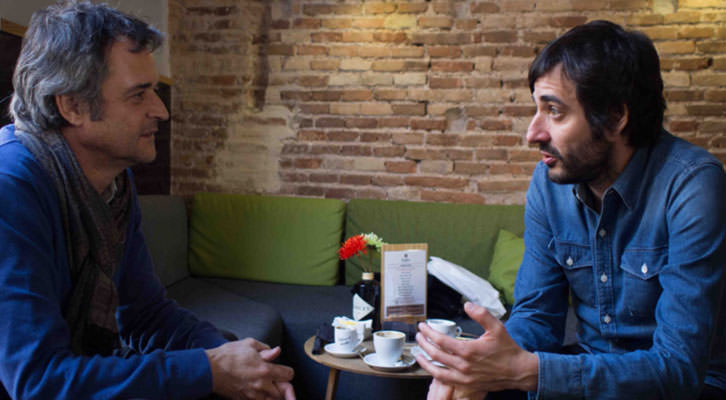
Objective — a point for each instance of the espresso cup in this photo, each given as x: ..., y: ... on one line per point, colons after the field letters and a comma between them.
x: 347, y: 339
x: 388, y: 346
x: 445, y: 326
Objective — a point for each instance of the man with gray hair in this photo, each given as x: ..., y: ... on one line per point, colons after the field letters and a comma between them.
x: 76, y: 278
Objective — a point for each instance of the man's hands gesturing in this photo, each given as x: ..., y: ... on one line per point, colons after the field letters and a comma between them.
x: 492, y: 362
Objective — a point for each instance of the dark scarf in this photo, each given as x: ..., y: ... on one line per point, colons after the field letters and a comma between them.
x: 95, y: 236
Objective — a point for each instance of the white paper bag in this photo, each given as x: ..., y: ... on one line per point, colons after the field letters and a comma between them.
x: 470, y: 285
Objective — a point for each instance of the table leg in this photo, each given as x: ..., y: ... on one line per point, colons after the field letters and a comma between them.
x: 332, y: 384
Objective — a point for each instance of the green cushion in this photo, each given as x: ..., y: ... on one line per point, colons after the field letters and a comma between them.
x: 463, y: 234
x: 508, y: 253
x: 265, y: 238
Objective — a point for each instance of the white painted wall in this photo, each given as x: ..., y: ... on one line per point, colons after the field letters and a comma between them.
x: 153, y: 11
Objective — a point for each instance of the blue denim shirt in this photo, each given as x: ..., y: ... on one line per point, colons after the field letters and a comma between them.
x: 645, y: 276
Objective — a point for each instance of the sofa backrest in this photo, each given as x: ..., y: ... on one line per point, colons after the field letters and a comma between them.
x: 266, y: 238
x: 464, y: 234
x: 164, y: 224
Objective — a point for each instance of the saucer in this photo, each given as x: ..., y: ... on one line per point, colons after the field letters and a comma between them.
x: 418, y: 350
x: 405, y: 362
x: 336, y: 351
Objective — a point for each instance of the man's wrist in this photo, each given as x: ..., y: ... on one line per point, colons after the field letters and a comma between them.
x: 527, y: 371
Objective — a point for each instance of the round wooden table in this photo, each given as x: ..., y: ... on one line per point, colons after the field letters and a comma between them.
x: 357, y: 366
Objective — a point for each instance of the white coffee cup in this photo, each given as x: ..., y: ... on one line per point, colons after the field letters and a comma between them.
x: 388, y: 346
x: 347, y: 338
x: 445, y: 326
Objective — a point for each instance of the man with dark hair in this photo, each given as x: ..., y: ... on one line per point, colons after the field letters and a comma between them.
x: 76, y: 278
x: 624, y: 221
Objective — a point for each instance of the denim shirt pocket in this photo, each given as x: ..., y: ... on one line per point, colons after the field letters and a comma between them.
x: 576, y: 261
x: 641, y: 288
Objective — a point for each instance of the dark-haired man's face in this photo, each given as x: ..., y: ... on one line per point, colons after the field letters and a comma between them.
x: 564, y: 137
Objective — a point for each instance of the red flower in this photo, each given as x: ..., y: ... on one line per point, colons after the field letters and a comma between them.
x: 353, y: 246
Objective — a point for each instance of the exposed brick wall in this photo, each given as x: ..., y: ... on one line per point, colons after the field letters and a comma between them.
x: 416, y: 100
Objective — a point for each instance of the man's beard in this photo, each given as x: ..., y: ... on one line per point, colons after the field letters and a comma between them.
x: 586, y: 163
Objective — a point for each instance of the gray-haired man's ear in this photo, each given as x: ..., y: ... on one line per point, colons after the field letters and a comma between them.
x: 71, y: 108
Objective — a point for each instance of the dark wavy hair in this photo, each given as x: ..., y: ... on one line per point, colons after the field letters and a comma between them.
x: 612, y: 69
x: 64, y: 53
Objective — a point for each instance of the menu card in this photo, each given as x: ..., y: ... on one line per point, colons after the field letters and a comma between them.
x: 403, y: 282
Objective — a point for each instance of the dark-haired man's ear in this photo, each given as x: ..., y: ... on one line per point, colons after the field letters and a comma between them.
x: 71, y: 109
x: 619, y: 125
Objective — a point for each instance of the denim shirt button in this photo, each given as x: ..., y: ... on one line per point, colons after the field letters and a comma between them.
x: 606, y: 319
x: 602, y: 233
x: 644, y: 268
x: 569, y: 261
x: 603, y: 278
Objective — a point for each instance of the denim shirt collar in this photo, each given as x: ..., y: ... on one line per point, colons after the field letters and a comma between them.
x: 627, y: 185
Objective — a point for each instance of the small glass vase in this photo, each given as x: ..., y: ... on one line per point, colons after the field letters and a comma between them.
x: 366, y: 300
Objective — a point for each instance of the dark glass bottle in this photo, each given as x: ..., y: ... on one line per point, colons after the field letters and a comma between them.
x: 367, y: 299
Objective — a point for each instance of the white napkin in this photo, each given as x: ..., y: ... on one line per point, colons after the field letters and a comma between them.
x: 468, y: 284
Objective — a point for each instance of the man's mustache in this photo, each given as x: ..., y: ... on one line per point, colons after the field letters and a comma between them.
x: 545, y: 147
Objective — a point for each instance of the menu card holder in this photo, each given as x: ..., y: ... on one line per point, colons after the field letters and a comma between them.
x: 403, y: 282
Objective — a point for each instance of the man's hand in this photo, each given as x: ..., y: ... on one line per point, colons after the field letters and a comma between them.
x: 243, y: 370
x: 490, y: 363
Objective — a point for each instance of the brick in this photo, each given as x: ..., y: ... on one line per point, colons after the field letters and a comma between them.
x: 519, y: 110
x: 412, y: 8
x: 369, y: 164
x: 295, y: 148
x: 644, y: 19
x: 436, y: 167
x: 312, y: 81
x: 686, y: 63
x: 362, y: 123
x: 470, y: 168
x: 496, y: 125
x: 713, y: 127
x: 466, y: 24
x: 428, y: 124
x: 308, y: 163
x: 400, y: 167
x: 330, y: 123
x: 390, y: 37
x: 660, y: 32
x: 682, y: 126
x: 436, y: 22
x: 716, y: 96
x: 539, y: 36
x: 518, y: 5
x: 400, y: 21
x: 425, y: 154
x: 293, y: 177
x: 444, y: 83
x: 683, y: 95
x: 507, y: 169
x: 444, y: 51
x: 507, y: 140
x: 682, y: 17
x: 410, y: 79
x: 318, y: 149
x: 377, y: 79
x: 306, y: 23
x: 480, y: 51
x: 376, y: 109
x: 696, y: 32
x: 715, y: 79
x: 275, y: 24
x: 518, y: 51
x: 442, y: 140
x: 345, y: 79
x: 354, y: 64
x: 345, y: 108
x: 343, y: 51
x: 324, y: 65
x: 454, y: 154
x: 712, y: 46
x: 452, y: 197
x: 407, y: 52
x: 356, y: 95
x: 442, y: 38
x: 368, y: 23
x: 337, y: 23
x: 326, y: 95
x: 311, y: 50
x: 492, y: 154
x: 452, y: 66
x: 481, y: 111
x: 387, y: 180
x: 215, y: 11
x: 326, y: 37
x: 389, y: 94
x: 674, y: 79
x: 342, y: 136
x: 339, y: 193
x: 716, y: 110
x: 479, y: 82
x: 380, y: 8
x: 409, y: 109
x: 500, y: 36
x: 396, y: 122
x: 484, y: 8
x: 324, y: 178
x: 503, y: 186
x: 568, y: 21
x: 389, y: 151
x: 310, y: 135
x: 355, y: 150
x: 719, y: 63
x: 476, y: 140
x: 524, y: 155
x: 367, y: 137
x: 437, y: 182
x: 309, y: 191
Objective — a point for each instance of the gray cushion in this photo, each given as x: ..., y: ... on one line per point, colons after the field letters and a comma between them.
x: 227, y: 311
x: 164, y: 224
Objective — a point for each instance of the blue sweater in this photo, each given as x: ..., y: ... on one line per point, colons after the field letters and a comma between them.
x: 35, y: 356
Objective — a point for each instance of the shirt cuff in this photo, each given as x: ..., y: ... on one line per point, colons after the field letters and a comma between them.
x: 559, y: 376
x: 190, y: 372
